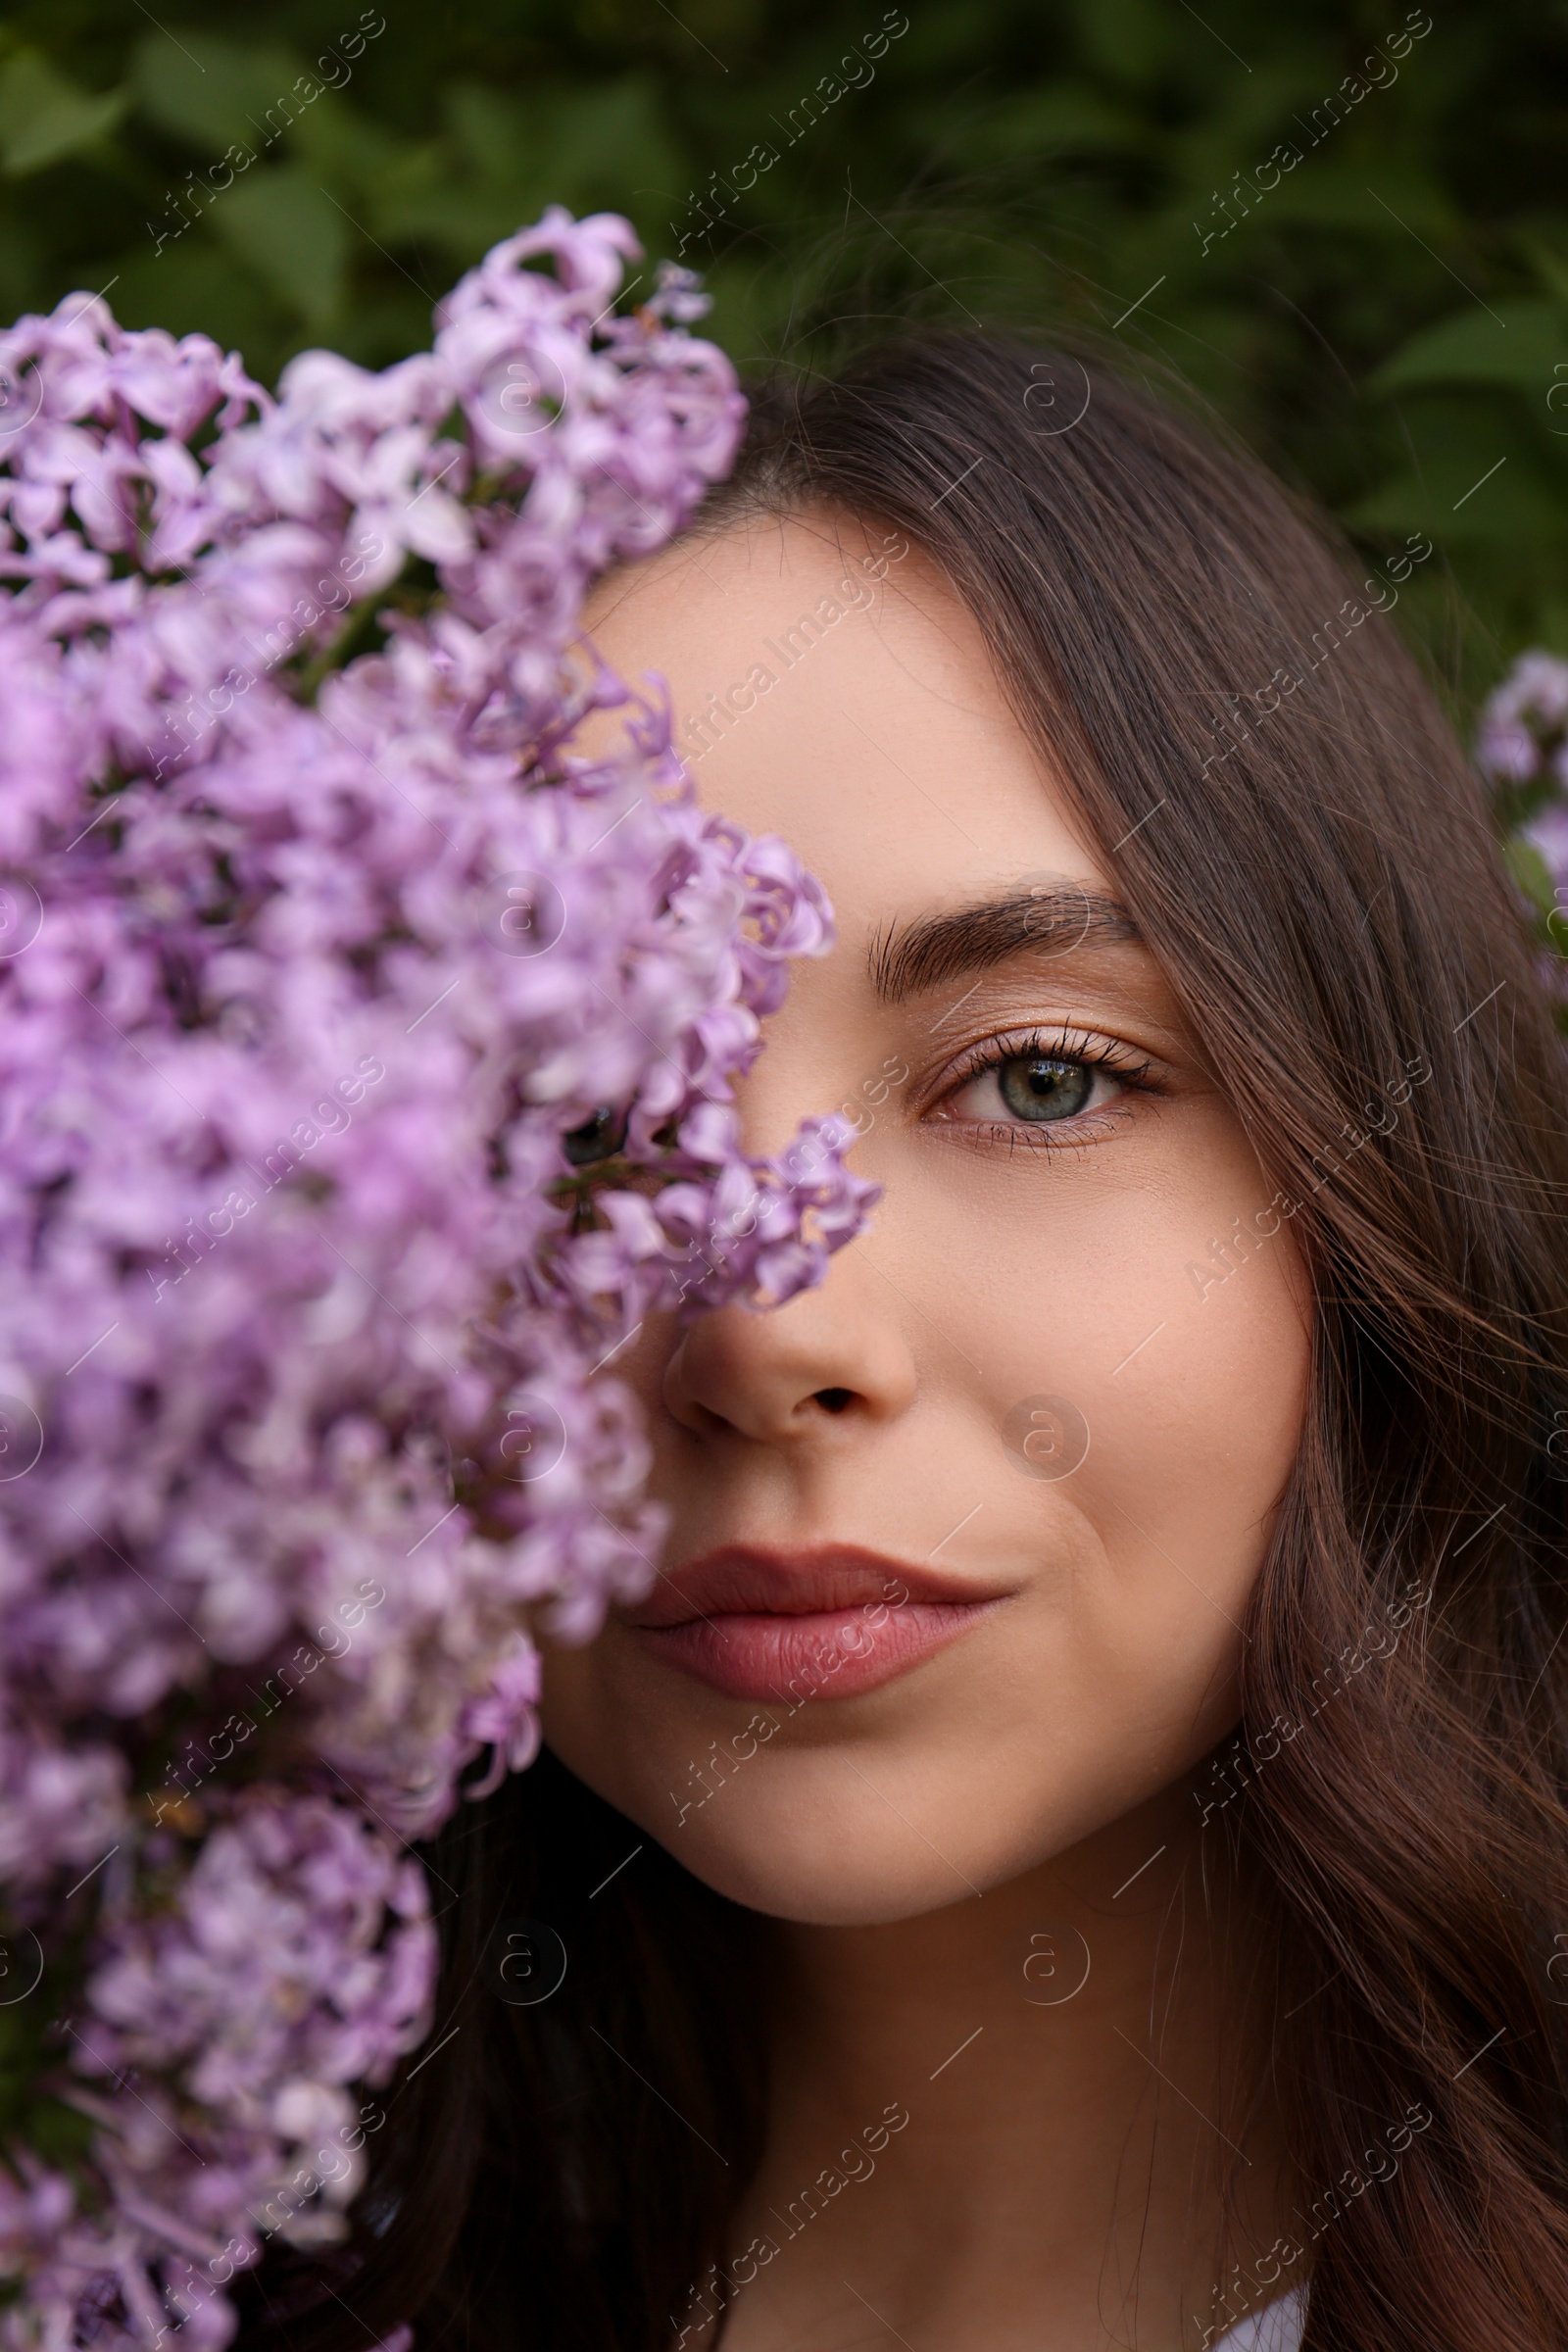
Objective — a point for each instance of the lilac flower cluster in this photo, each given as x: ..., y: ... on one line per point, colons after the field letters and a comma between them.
x: 1522, y: 751
x: 367, y: 1060
x: 1524, y: 726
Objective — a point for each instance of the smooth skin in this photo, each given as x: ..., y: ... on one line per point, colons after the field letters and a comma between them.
x: 986, y: 1870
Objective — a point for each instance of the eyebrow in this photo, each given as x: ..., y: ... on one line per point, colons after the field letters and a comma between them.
x: 910, y: 959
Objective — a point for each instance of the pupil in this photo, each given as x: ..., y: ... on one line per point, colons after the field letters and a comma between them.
x: 597, y: 1138
x: 1035, y: 1087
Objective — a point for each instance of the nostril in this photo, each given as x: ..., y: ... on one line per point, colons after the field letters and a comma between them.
x: 832, y: 1400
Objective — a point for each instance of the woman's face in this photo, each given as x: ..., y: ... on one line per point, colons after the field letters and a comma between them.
x: 962, y: 1540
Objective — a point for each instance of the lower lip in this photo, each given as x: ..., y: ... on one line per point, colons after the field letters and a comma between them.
x: 827, y: 1653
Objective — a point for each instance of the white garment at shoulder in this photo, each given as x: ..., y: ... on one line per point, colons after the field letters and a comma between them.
x: 1277, y: 2328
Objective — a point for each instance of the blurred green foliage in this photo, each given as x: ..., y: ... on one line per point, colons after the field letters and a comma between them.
x: 1386, y: 317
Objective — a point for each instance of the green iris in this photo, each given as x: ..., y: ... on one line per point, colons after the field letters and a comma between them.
x: 1037, y: 1086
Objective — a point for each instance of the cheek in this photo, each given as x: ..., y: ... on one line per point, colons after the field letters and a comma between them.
x: 1175, y: 1359
x: 1199, y: 1415
x: 1198, y: 1434
x: 1134, y: 1429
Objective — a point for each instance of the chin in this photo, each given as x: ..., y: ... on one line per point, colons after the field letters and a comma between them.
x: 821, y: 1879
x: 830, y: 1850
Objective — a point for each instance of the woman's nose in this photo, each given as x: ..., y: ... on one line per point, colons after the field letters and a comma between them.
x: 785, y: 1375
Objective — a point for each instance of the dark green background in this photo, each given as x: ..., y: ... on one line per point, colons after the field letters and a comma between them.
x: 1385, y: 325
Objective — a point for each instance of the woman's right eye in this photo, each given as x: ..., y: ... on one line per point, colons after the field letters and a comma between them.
x: 598, y: 1138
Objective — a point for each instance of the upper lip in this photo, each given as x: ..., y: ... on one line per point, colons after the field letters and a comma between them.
x: 753, y: 1579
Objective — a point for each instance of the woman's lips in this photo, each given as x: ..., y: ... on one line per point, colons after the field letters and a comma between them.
x: 790, y: 1625
x: 819, y: 1653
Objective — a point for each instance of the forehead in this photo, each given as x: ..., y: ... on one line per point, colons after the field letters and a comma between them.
x: 827, y: 685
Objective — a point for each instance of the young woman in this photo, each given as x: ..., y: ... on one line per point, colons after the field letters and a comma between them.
x: 1071, y: 1852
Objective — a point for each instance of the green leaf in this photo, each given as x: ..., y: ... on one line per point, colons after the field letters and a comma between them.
x: 1240, y: 132
x: 193, y: 286
x: 209, y: 92
x: 45, y: 117
x: 1332, y: 193
x: 1126, y: 39
x: 292, y: 235
x: 1529, y: 870
x: 1519, y: 346
x: 463, y: 221
x: 1062, y: 120
x: 353, y: 153
x: 1480, y: 475
x: 603, y: 142
x: 1549, y: 267
x: 508, y: 156
x: 56, y: 2132
x: 375, y: 333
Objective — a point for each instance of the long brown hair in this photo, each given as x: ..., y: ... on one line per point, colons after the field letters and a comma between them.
x: 1274, y: 785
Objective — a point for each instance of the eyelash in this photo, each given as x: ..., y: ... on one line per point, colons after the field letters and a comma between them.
x: 1062, y: 1044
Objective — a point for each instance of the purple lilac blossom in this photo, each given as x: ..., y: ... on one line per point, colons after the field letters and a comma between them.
x: 1524, y: 724
x: 1522, y: 750
x: 318, y: 936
